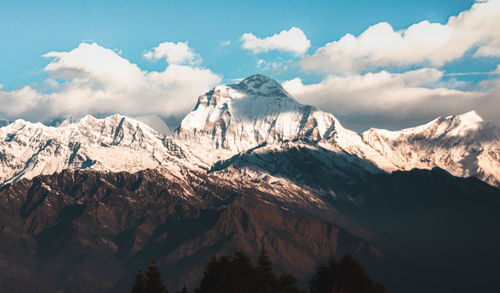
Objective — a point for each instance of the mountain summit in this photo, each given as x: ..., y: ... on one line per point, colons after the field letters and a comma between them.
x: 254, y: 111
x: 464, y: 145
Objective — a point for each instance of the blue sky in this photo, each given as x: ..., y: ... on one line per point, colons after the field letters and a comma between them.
x: 30, y: 29
x: 213, y: 30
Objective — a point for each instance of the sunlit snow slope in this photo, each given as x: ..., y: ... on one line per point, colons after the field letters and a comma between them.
x: 116, y: 143
x: 233, y: 119
x: 464, y: 145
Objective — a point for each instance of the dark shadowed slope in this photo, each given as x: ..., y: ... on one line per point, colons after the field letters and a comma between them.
x: 90, y: 231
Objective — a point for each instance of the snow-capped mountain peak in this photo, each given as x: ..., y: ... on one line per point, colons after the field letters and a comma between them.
x: 469, y: 126
x: 256, y: 110
x: 233, y: 119
x: 464, y: 145
x: 254, y: 97
x: 463, y: 125
x: 260, y: 85
x: 115, y: 143
x: 471, y: 117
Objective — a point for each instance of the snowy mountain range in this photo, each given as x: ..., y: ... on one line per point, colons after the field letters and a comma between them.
x: 227, y: 121
x: 112, y: 144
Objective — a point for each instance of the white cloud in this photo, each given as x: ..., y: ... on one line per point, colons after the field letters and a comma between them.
x: 93, y: 63
x: 489, y: 50
x: 16, y: 103
x: 272, y: 67
x: 421, y: 43
x: 174, y: 53
x: 98, y: 80
x: 393, y: 100
x: 225, y: 43
x: 293, y: 40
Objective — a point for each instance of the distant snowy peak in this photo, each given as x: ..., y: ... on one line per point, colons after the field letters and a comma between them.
x: 155, y: 122
x: 468, y: 126
x: 466, y: 130
x: 152, y: 120
x: 464, y: 145
x: 116, y: 143
x: 254, y: 111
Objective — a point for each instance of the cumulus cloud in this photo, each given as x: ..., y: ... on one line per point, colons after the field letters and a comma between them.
x: 16, y: 103
x: 422, y: 43
x: 174, y: 53
x: 93, y: 63
x: 389, y: 100
x: 489, y: 50
x: 93, y: 79
x: 293, y: 40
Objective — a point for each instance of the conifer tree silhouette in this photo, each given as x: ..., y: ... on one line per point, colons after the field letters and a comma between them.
x: 230, y: 274
x: 266, y: 278
x: 154, y: 283
x: 346, y: 276
x: 287, y: 283
x: 139, y: 285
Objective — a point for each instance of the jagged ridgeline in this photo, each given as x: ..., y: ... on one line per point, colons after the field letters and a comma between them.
x: 86, y: 202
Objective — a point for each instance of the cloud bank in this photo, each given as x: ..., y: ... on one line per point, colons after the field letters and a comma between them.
x: 93, y: 79
x: 423, y: 43
x: 293, y: 40
x: 384, y: 99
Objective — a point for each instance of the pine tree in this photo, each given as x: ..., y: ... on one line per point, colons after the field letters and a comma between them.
x: 226, y: 274
x: 218, y: 276
x: 346, y: 276
x: 183, y: 290
x: 244, y: 271
x: 325, y: 279
x: 353, y: 277
x: 154, y: 283
x: 139, y: 285
x: 287, y: 283
x: 266, y: 279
